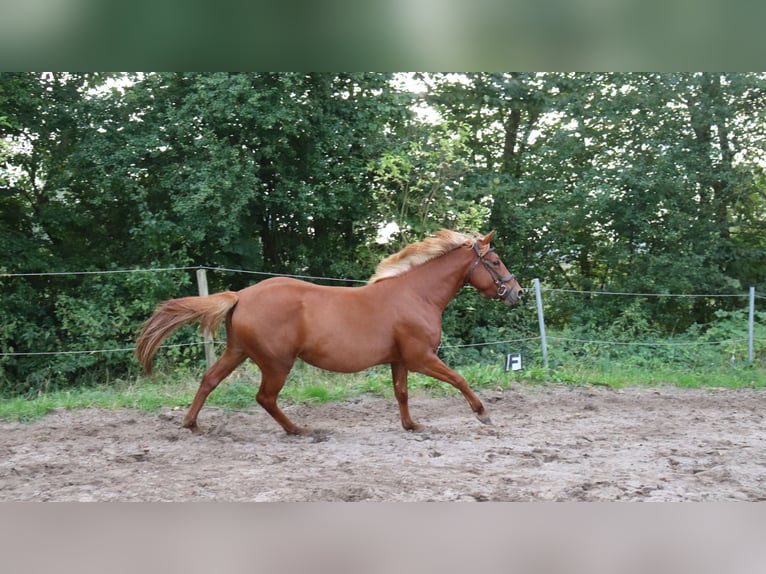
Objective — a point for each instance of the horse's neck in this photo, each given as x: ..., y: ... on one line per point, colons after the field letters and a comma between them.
x: 439, y: 280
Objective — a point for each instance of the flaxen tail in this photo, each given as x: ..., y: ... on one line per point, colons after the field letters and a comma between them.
x: 209, y: 311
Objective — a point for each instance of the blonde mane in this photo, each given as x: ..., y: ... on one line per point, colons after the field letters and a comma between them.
x: 418, y: 253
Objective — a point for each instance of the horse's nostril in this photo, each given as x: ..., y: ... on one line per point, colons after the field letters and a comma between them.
x: 521, y: 293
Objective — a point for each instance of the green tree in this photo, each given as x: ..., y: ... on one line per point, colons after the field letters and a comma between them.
x: 602, y: 181
x: 631, y: 182
x: 262, y: 171
x: 259, y: 171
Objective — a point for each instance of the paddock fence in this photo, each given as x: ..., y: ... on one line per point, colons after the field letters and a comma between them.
x: 543, y: 339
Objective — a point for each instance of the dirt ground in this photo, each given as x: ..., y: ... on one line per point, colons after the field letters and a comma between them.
x: 547, y: 442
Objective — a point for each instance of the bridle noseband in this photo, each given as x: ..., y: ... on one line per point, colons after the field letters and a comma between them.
x: 502, y: 289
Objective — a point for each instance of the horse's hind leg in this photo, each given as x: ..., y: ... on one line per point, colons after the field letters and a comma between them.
x: 222, y: 368
x: 272, y: 381
x: 399, y: 375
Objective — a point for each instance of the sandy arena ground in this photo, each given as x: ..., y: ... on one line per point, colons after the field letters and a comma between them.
x: 549, y: 442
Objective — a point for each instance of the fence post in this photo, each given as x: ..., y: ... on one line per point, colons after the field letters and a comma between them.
x: 207, y: 335
x: 541, y: 321
x: 750, y: 324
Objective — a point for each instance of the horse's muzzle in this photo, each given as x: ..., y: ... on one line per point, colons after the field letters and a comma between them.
x: 509, y: 295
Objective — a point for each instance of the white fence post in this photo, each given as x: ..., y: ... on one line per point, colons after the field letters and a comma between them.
x: 207, y: 335
x: 541, y: 321
x: 750, y: 324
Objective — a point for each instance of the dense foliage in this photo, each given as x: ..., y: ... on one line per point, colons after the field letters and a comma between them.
x: 618, y: 182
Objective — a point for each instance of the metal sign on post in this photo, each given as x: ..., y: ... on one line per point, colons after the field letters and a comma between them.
x: 512, y: 362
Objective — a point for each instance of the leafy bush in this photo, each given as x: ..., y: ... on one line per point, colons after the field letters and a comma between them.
x: 74, y: 314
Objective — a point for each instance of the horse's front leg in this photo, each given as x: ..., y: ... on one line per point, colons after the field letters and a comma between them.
x: 432, y: 366
x: 399, y: 375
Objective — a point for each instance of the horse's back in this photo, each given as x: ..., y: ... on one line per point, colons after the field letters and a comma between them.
x: 274, y: 300
x: 282, y: 295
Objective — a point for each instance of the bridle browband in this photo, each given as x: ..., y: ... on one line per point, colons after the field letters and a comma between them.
x: 502, y: 289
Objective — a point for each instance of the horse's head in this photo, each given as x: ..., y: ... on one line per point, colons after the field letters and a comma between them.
x: 494, y: 280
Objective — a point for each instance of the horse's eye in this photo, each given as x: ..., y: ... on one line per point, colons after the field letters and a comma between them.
x: 496, y: 263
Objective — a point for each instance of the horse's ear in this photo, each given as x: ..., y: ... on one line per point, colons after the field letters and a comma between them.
x: 487, y: 238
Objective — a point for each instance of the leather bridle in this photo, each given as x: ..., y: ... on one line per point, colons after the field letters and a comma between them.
x: 500, y: 281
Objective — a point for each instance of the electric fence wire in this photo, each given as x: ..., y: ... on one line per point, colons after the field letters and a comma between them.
x: 346, y: 280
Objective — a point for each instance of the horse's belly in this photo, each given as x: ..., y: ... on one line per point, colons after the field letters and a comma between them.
x: 334, y: 355
x: 344, y: 360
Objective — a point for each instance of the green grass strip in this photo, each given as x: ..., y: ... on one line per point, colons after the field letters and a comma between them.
x: 307, y: 384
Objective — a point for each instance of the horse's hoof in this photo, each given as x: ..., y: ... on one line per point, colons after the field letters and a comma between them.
x: 414, y: 427
x: 484, y: 418
x: 299, y: 431
x: 192, y: 427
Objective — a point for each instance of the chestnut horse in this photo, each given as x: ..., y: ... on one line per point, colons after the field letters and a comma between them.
x: 395, y: 318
